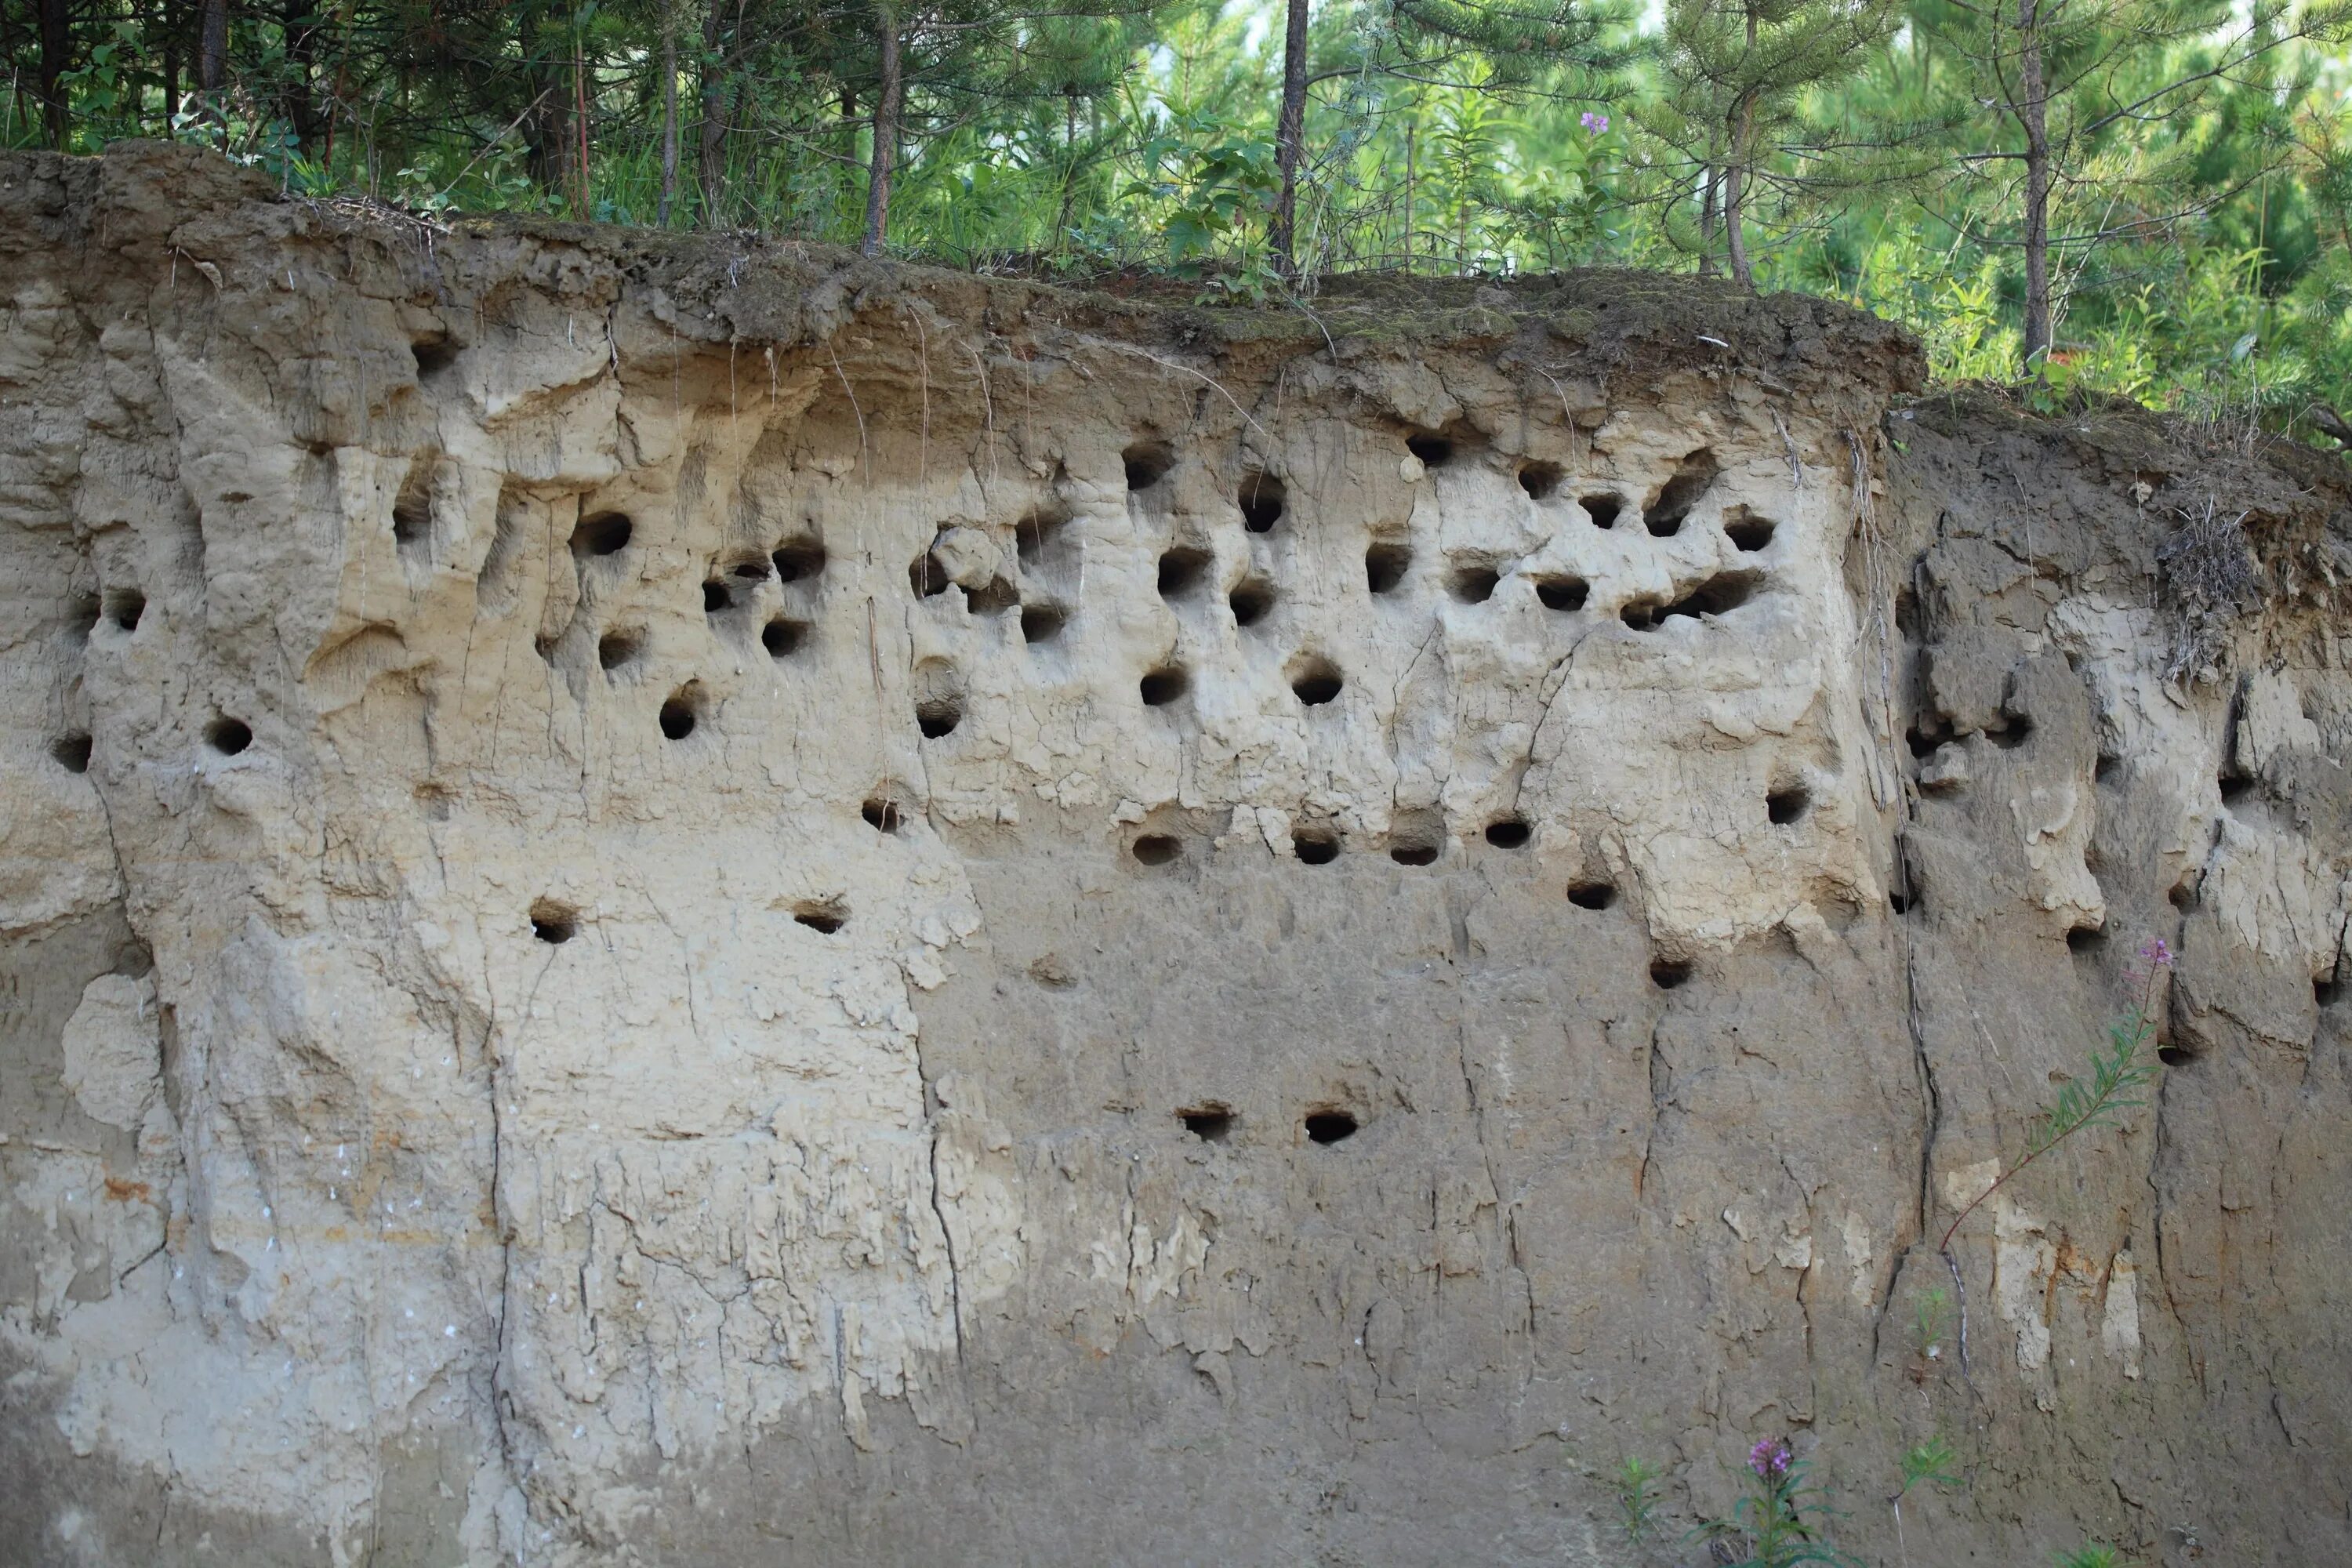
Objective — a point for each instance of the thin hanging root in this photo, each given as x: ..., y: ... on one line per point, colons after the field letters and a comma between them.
x: 1184, y: 370
x: 860, y: 413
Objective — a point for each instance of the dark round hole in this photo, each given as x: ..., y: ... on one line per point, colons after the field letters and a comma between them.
x: 1747, y: 530
x: 1384, y: 566
x: 1899, y: 902
x: 1433, y: 450
x: 433, y: 355
x: 927, y: 576
x: 1413, y: 854
x: 228, y: 736
x: 125, y: 606
x: 1316, y: 682
x: 1042, y: 622
x: 1315, y: 845
x: 1666, y: 973
x: 1262, y: 497
x: 2174, y: 1057
x: 1330, y: 1126
x: 71, y: 752
x: 1784, y: 806
x: 1156, y: 848
x: 1604, y: 509
x: 554, y: 922
x: 1508, y: 832
x: 2234, y: 786
x: 1209, y: 1123
x: 781, y: 637
x: 606, y: 534
x: 754, y: 570
x: 2086, y: 939
x: 1592, y: 895
x: 1539, y: 479
x: 614, y: 650
x: 1182, y: 571
x: 938, y: 717
x: 1146, y: 463
x: 2327, y: 990
x: 1251, y: 601
x: 716, y: 597
x: 2183, y: 895
x: 823, y: 918
x: 677, y: 717
x: 881, y: 814
x: 2010, y: 731
x: 1474, y: 584
x: 797, y: 559
x: 1164, y: 685
x: 1562, y: 592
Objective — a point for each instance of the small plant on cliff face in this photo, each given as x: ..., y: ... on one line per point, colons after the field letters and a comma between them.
x: 2097, y: 1554
x: 2115, y: 1074
x: 1637, y: 1501
x: 1779, y: 1524
x: 1930, y: 1462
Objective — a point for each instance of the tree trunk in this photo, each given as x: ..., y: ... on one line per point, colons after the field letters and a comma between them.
x: 1289, y: 139
x: 1735, y: 196
x: 298, y: 27
x: 212, y: 47
x: 711, y: 153
x: 1707, y: 194
x: 2032, y: 113
x: 669, y: 111
x: 171, y: 26
x: 57, y: 48
x: 547, y: 122
x: 885, y: 155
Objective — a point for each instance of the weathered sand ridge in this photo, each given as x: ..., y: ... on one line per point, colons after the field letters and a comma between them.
x: 673, y: 900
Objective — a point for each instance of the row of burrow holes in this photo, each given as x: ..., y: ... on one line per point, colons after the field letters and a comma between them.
x: 1183, y: 571
x: 125, y: 608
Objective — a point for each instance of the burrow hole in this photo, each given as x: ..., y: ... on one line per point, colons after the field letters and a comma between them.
x: 798, y: 560
x: 680, y: 712
x: 412, y: 509
x: 781, y: 637
x: 927, y: 577
x: 2008, y: 731
x: 554, y: 922
x: 1385, y: 564
x: 1602, y: 508
x: 2327, y: 990
x: 1416, y: 837
x: 1664, y: 516
x: 1562, y: 592
x: 1786, y: 804
x: 1330, y: 1126
x: 1316, y: 680
x: 752, y: 569
x: 1509, y: 833
x: 1251, y: 601
x: 1666, y: 973
x: 616, y: 649
x: 71, y: 752
x: 1182, y: 571
x: 2235, y: 784
x: 1473, y: 583
x: 1541, y: 480
x: 1164, y: 685
x: 1592, y: 893
x: 2175, y: 1056
x: 823, y: 916
x: 2183, y: 895
x: 882, y: 813
x: 228, y: 736
x: 125, y: 606
x: 1316, y: 843
x: 939, y: 699
x: 1210, y: 1123
x: 1433, y: 450
x: 1156, y: 848
x: 1745, y: 529
x: 717, y: 596
x: 1900, y: 901
x: 1146, y: 463
x: 604, y: 533
x: 1724, y: 591
x: 433, y: 355
x: 1042, y: 622
x: 2086, y: 942
x: 1262, y: 498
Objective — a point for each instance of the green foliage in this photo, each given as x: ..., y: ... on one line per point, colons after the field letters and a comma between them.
x: 1781, y: 1523
x: 1931, y: 1463
x: 1637, y: 1501
x: 2200, y: 211
x: 2095, y: 1555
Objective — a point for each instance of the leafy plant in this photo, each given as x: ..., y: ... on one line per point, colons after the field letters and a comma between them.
x: 2095, y: 1555
x: 1779, y: 1523
x: 1637, y: 1499
x: 1931, y: 1463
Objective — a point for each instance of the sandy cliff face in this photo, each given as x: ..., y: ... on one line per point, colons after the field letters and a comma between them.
x: 679, y: 901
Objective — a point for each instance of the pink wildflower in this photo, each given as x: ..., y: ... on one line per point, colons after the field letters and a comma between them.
x: 1769, y: 1458
x: 2157, y: 952
x: 1596, y: 124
